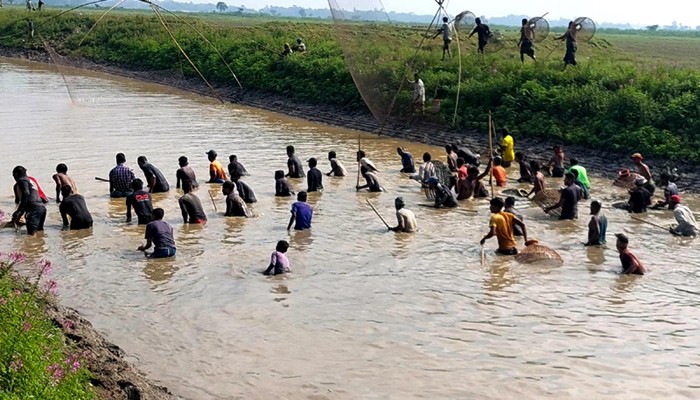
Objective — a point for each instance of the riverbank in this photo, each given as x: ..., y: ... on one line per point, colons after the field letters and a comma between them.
x: 604, y: 163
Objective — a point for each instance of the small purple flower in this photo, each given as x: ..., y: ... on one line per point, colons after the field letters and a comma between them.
x: 67, y: 324
x: 75, y: 366
x: 16, y: 257
x: 51, y: 286
x: 27, y: 326
x: 16, y: 364
x: 45, y: 267
x: 58, y: 374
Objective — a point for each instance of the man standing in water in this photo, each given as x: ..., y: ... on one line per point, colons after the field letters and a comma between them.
x: 630, y: 263
x: 446, y: 37
x: 154, y: 178
x: 302, y: 213
x: 120, y: 178
x: 235, y: 206
x: 337, y: 169
x: 582, y: 174
x: 406, y: 218
x: 407, y: 164
x: 30, y: 205
x: 314, y: 179
x: 568, y: 201
x: 501, y: 226
x: 185, y: 175
x: 216, y: 170
x: 538, y: 179
x: 62, y: 179
x: 670, y: 189
x: 444, y: 198
x: 527, y: 46
x: 245, y: 191
x: 282, y: 188
x: 74, y: 206
x: 296, y: 170
x: 191, y: 207
x: 372, y: 180
x: 483, y: 33
x: 140, y: 201
x: 687, y: 226
x: 159, y: 234
x: 557, y: 162
x: 236, y: 170
x: 507, y: 148
x: 570, y: 37
x: 426, y: 171
x: 640, y: 198
x: 597, y: 226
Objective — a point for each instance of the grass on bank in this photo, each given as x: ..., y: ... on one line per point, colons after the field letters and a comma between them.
x: 630, y: 92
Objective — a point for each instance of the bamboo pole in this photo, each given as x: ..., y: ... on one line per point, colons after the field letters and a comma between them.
x: 649, y: 223
x: 378, y: 215
x: 491, y: 154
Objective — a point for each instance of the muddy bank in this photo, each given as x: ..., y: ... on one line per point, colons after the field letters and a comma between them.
x: 113, y: 377
x: 599, y: 162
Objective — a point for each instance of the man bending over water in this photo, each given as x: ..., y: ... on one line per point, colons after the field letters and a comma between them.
x: 159, y: 234
x: 191, y: 207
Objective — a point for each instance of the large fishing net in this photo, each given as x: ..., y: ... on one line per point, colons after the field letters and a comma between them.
x: 536, y: 253
x: 497, y: 42
x: 537, y: 29
x: 464, y: 23
x: 584, y: 29
x: 547, y: 198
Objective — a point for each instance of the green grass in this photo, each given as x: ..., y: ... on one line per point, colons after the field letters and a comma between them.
x: 632, y: 91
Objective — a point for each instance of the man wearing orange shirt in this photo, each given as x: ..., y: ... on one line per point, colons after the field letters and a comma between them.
x: 216, y: 170
x: 498, y: 172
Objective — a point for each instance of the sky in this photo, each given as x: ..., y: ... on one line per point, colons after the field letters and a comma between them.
x: 639, y: 12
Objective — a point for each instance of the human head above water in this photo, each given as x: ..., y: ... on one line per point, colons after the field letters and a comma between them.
x: 158, y: 214
x: 595, y: 207
x: 497, y: 204
x: 121, y: 158
x: 399, y: 203
x: 460, y: 162
x: 569, y: 179
x: 427, y: 157
x: 282, y: 246
x: 142, y: 160
x: 19, y: 172
x: 66, y: 191
x: 279, y: 174
x: 62, y: 168
x: 478, y: 21
x: 290, y: 150
x: 574, y: 161
x: 228, y: 187
x: 211, y: 155
x: 232, y: 158
x: 137, y: 184
x: 312, y: 162
x: 301, y: 196
x: 183, y: 161
x: 519, y: 157
x: 497, y: 160
x: 332, y: 155
x: 510, y: 201
x: 622, y: 241
x: 534, y: 166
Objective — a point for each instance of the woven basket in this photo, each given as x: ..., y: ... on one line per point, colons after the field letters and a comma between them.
x: 547, y: 198
x: 625, y: 182
x: 536, y: 253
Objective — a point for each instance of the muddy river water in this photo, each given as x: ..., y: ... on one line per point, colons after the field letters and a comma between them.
x: 366, y: 314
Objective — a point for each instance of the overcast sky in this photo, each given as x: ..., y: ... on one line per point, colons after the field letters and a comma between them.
x: 639, y: 12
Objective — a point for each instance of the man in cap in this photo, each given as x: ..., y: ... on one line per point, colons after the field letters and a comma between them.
x: 120, y: 178
x: 501, y: 225
x: 154, y: 178
x: 685, y: 218
x: 314, y: 178
x: 597, y: 226
x: 640, y: 198
x: 630, y: 263
x: 643, y: 170
x: 216, y: 170
x: 407, y: 164
x: 185, y: 174
x: 444, y: 198
x: 406, y: 218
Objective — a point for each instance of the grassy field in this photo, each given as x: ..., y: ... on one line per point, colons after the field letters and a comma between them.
x: 631, y: 90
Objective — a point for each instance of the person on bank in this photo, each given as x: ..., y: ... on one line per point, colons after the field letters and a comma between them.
x: 407, y: 164
x: 279, y: 263
x: 507, y: 147
x: 372, y: 182
x: 597, y: 226
x: 140, y: 200
x: 630, y: 263
x: 185, y: 174
x: 120, y: 178
x: 154, y: 178
x: 236, y: 170
x: 62, y: 179
x: 337, y: 169
x: 501, y: 225
x: 296, y: 170
x: 282, y: 187
x: 406, y: 218
x: 687, y: 226
x: 245, y: 191
x: 526, y: 44
x: 570, y: 37
x: 191, y: 207
x: 159, y: 234
x: 235, y: 205
x: 302, y: 213
x: 30, y: 205
x: 640, y: 198
x: 444, y: 198
x: 73, y: 206
x: 314, y: 178
x: 216, y: 170
x: 569, y: 198
x: 446, y: 33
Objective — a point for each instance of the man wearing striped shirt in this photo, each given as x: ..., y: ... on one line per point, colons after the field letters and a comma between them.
x: 120, y: 178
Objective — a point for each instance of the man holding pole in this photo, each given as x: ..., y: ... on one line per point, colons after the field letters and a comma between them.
x: 405, y: 218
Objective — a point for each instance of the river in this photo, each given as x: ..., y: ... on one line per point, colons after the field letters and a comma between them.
x: 366, y: 314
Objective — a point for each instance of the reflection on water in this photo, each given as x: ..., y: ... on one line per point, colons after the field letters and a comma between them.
x: 367, y: 313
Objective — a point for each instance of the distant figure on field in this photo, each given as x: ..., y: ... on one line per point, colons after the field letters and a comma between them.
x: 279, y: 263
x: 155, y: 180
x: 405, y: 218
x: 302, y: 213
x: 30, y: 205
x: 314, y: 178
x: 687, y: 226
x: 160, y: 235
x: 74, y: 206
x: 185, y: 174
x: 286, y: 52
x: 299, y: 46
x: 483, y: 33
x: 501, y: 225
x: 526, y: 42
x: 282, y: 188
x: 418, y: 95
x: 235, y: 206
x: 296, y: 170
x: 236, y: 170
x: 62, y: 179
x: 507, y: 147
x: 191, y: 207
x: 120, y: 178
x: 407, y: 164
x: 570, y: 37
x: 40, y: 5
x: 337, y: 169
x: 216, y: 170
x: 140, y: 200
x: 569, y: 198
x: 597, y: 226
x: 446, y: 32
x: 630, y: 263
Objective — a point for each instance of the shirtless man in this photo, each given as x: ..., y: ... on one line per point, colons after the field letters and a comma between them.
x: 337, y: 169
x: 296, y: 170
x: 191, y: 206
x: 643, y: 170
x: 62, y: 178
x: 538, y: 179
x: 30, y: 205
x: 472, y: 186
x: 74, y: 206
x: 185, y: 175
x: 235, y: 206
x: 372, y: 184
x: 405, y: 218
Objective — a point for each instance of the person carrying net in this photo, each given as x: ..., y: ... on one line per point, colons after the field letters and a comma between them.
x: 570, y: 37
x: 446, y: 37
x: 526, y: 44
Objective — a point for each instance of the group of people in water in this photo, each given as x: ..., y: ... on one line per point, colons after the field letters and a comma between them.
x: 459, y: 179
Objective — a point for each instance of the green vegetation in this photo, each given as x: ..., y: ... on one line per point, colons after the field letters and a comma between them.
x: 632, y: 91
x: 35, y: 363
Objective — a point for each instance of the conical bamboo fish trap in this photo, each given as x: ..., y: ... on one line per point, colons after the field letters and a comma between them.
x: 534, y: 252
x: 547, y: 198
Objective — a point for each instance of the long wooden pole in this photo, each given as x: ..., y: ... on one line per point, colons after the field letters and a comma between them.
x: 649, y: 223
x: 378, y: 215
x: 491, y: 154
x: 214, y: 202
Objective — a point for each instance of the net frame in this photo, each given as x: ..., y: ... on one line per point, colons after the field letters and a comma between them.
x: 535, y: 252
x: 537, y: 29
x: 548, y: 198
x: 584, y: 29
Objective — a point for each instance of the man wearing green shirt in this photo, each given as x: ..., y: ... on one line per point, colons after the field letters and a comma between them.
x: 582, y: 175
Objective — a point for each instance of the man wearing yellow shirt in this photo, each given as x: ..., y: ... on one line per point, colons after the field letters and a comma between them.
x: 216, y: 170
x: 507, y: 148
x: 501, y: 226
